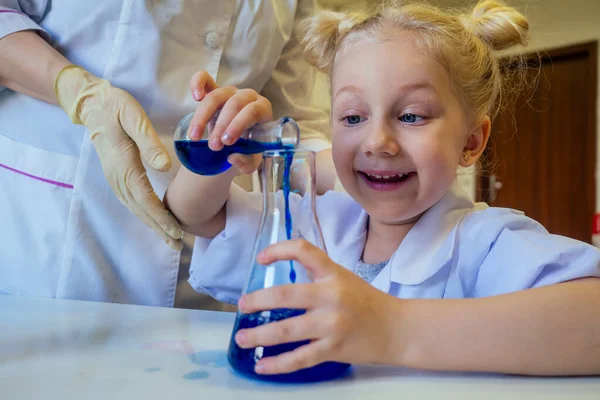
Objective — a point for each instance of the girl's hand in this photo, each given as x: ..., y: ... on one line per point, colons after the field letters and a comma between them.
x: 240, y: 109
x: 346, y: 319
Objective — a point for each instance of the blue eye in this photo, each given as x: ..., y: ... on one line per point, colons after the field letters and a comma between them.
x: 353, y: 119
x: 410, y: 118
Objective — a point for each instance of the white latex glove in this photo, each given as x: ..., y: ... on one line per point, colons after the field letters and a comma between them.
x: 120, y: 131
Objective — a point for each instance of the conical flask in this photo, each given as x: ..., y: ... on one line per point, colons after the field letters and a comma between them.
x: 196, y: 156
x: 286, y: 215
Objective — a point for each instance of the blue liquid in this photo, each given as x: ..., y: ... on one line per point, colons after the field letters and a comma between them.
x: 199, y: 158
x: 244, y: 360
x: 196, y: 375
x: 289, y: 158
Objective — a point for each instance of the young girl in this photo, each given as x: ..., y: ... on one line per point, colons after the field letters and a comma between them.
x: 413, y: 90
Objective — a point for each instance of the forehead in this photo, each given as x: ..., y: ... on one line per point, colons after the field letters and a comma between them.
x: 397, y: 61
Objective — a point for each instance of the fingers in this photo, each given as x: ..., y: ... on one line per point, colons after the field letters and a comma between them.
x: 295, y: 329
x: 137, y: 126
x: 201, y: 84
x: 126, y: 175
x: 138, y: 211
x: 128, y: 201
x: 257, y: 111
x: 306, y: 356
x: 243, y: 110
x: 246, y: 164
x: 143, y: 194
x: 238, y: 111
x: 312, y: 258
x: 298, y: 296
x: 207, y: 108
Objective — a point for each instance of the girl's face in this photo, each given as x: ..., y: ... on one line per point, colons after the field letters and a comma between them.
x: 398, y: 129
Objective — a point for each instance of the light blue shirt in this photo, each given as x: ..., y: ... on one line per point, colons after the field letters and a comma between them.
x: 457, y: 249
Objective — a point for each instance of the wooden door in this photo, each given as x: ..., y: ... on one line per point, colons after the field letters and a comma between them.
x: 544, y: 159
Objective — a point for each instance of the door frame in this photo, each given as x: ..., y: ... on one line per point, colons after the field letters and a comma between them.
x: 537, y: 59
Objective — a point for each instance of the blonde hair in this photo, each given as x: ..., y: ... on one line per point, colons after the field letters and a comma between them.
x: 463, y: 43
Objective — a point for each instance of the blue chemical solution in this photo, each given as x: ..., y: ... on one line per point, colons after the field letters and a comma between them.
x: 199, y: 158
x: 210, y: 358
x: 196, y: 375
x: 244, y: 360
x: 289, y: 158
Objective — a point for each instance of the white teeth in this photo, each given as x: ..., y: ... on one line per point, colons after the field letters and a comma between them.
x: 386, y: 176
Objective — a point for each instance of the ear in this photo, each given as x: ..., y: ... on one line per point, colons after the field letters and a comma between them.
x: 476, y: 142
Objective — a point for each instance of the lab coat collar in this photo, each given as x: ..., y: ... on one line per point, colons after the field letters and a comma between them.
x: 429, y: 245
x: 353, y: 238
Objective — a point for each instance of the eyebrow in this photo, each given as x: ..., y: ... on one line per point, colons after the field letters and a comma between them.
x: 418, y: 86
x: 411, y: 87
x: 348, y: 88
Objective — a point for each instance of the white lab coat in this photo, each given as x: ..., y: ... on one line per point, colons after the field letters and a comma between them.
x: 457, y: 249
x: 64, y: 233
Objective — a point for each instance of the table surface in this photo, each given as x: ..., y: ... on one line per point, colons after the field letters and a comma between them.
x: 64, y: 349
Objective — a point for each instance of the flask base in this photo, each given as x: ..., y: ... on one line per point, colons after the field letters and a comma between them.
x: 243, y: 361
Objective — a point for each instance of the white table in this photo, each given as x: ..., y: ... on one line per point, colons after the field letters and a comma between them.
x: 60, y: 349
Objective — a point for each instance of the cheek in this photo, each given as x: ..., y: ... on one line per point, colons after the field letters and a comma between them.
x: 439, y: 158
x: 341, y: 161
x: 342, y: 151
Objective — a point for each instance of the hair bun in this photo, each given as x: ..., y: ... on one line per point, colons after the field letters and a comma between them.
x: 320, y: 35
x: 497, y: 24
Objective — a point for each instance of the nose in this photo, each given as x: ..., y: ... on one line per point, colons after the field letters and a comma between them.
x: 381, y: 140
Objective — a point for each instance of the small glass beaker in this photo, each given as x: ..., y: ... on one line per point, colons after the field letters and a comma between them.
x: 196, y: 156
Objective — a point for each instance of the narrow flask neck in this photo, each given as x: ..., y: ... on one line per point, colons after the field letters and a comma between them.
x: 283, y: 131
x: 287, y: 172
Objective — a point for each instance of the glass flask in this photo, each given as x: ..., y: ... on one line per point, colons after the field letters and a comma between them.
x: 196, y: 156
x: 285, y: 215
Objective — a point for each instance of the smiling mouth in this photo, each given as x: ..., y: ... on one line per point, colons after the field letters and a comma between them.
x: 397, y: 178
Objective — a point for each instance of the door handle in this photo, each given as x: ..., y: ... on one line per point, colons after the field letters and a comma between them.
x: 494, y: 186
